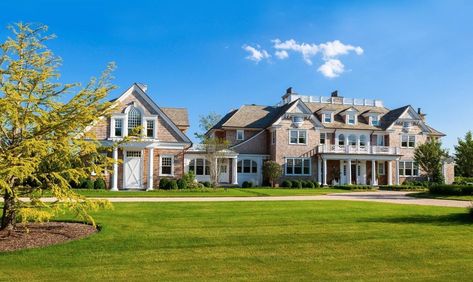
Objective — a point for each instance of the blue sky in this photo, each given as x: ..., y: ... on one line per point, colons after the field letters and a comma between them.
x: 190, y: 53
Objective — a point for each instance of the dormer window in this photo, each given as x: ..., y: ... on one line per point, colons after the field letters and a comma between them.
x: 351, y: 119
x: 375, y: 120
x: 327, y: 118
x: 134, y: 120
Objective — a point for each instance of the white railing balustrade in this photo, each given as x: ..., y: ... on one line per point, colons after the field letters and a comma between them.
x: 353, y: 149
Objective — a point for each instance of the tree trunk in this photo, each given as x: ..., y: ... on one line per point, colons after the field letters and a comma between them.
x: 9, y: 212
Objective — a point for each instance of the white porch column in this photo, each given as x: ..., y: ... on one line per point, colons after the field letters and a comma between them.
x: 325, y: 172
x: 349, y: 171
x: 115, y: 170
x: 234, y: 171
x: 319, y: 171
x: 150, y: 168
x: 397, y: 172
x: 374, y: 179
x: 390, y: 173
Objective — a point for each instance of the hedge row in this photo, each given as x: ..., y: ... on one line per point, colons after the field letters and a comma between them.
x: 456, y: 190
x: 299, y: 184
x: 354, y: 187
x: 403, y: 188
x: 460, y: 180
x: 89, y: 183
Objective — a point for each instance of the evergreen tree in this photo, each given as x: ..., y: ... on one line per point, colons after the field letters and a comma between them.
x: 429, y: 157
x: 464, y: 156
x: 42, y: 123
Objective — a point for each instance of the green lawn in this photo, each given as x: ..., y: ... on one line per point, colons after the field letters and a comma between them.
x: 444, y: 197
x: 311, y: 240
x: 219, y: 192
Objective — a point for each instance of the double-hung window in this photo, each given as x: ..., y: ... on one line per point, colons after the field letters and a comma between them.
x: 199, y: 167
x: 150, y: 128
x: 323, y: 138
x: 380, y: 140
x: 297, y: 137
x: 167, y: 165
x: 351, y: 119
x: 118, y: 127
x: 298, y: 166
x: 374, y: 120
x: 381, y: 170
x: 247, y: 166
x: 240, y: 135
x: 327, y: 118
x: 408, y: 141
x: 408, y: 168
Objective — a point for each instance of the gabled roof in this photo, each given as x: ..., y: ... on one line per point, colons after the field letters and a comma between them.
x: 392, y: 116
x: 135, y: 88
x: 178, y: 115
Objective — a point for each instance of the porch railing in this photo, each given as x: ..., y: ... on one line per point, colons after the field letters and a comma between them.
x: 353, y: 149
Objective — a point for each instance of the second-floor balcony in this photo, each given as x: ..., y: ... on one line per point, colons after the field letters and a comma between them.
x: 353, y: 149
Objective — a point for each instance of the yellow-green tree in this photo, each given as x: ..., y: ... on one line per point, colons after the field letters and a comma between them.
x: 43, y: 146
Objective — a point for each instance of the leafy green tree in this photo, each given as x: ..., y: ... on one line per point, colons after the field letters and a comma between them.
x: 272, y: 171
x: 464, y: 156
x: 429, y: 156
x: 206, y: 123
x: 42, y: 123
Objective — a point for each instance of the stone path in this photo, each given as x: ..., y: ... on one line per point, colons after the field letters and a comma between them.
x: 378, y: 196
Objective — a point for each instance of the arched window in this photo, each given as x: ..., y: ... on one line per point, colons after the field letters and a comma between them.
x: 247, y: 166
x: 134, y: 120
x: 199, y: 166
x: 352, y: 140
x: 362, y: 140
x: 341, y: 140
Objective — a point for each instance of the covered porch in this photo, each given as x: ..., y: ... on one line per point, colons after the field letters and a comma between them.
x: 358, y: 169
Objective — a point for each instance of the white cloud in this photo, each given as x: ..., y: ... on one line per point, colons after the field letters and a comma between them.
x: 337, y: 48
x: 307, y: 50
x: 329, y: 51
x: 332, y: 68
x: 256, y: 53
x: 282, y: 54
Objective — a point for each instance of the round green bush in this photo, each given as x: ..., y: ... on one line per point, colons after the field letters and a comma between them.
x: 99, y: 184
x: 316, y: 184
x: 297, y: 184
x: 182, y: 183
x: 247, y: 184
x: 286, y: 184
x: 163, y: 183
x: 172, y: 185
x: 310, y: 184
x: 207, y: 184
x: 87, y: 184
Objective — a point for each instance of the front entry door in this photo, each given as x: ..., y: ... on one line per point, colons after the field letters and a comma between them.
x: 224, y: 173
x: 354, y: 173
x: 133, y: 170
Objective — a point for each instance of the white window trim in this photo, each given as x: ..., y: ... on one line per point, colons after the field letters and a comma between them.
x: 242, y: 134
x: 155, y: 129
x: 161, y: 165
x: 294, y: 158
x: 298, y: 132
x: 372, y: 120
x: 251, y: 166
x: 408, y: 136
x: 204, y: 163
x: 347, y: 119
x: 378, y: 138
x: 403, y: 174
x: 324, y: 115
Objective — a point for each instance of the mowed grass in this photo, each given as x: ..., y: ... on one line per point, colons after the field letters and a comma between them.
x: 310, y: 240
x: 209, y: 192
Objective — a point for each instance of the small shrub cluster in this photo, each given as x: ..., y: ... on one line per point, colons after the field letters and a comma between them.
x: 168, y: 184
x: 455, y: 190
x: 247, y: 184
x: 299, y: 184
x: 413, y: 183
x: 354, y: 187
x: 186, y: 182
x: 89, y: 183
x: 460, y: 180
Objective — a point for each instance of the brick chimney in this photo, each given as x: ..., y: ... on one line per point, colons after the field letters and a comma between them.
x: 335, y: 98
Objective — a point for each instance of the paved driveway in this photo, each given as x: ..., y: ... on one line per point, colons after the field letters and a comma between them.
x: 378, y: 196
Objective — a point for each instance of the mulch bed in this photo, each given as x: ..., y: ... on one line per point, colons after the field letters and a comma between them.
x: 43, y: 234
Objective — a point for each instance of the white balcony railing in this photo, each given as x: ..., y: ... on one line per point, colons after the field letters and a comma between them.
x: 351, y: 149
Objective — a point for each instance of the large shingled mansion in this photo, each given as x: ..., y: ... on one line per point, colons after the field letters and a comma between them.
x: 332, y: 140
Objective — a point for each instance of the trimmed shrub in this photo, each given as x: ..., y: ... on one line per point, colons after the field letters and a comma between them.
x: 460, y: 180
x: 172, y: 185
x: 310, y: 184
x: 456, y: 190
x: 182, y: 183
x: 402, y: 188
x: 87, y: 184
x: 355, y: 187
x: 470, y: 211
x: 207, y: 184
x: 297, y: 184
x: 99, y: 184
x: 286, y: 184
x: 247, y: 184
x: 163, y: 183
x: 316, y: 184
